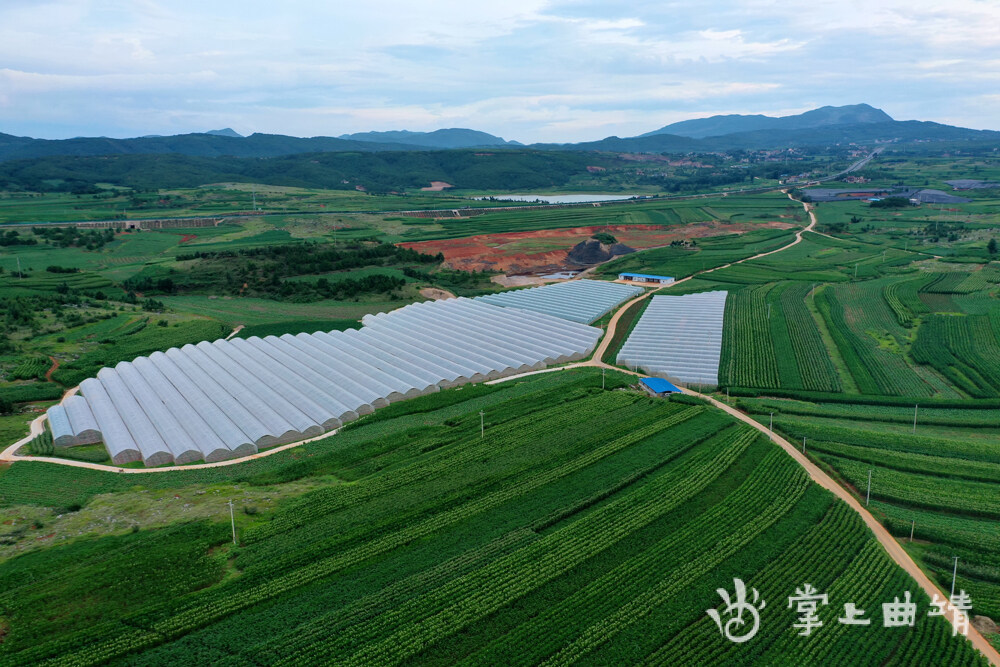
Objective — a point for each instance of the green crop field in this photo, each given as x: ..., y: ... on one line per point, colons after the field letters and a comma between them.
x: 587, y: 525
x: 749, y: 209
x: 938, y: 479
x: 877, y: 336
x: 679, y: 261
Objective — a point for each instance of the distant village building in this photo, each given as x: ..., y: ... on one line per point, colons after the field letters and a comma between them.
x: 645, y: 278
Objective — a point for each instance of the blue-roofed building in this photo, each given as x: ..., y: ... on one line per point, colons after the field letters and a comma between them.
x: 645, y: 278
x: 659, y: 386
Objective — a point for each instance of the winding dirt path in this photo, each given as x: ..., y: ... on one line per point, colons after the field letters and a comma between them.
x: 891, y: 545
x: 236, y: 330
x: 52, y: 369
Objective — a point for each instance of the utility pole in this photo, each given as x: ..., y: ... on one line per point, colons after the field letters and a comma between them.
x: 914, y: 418
x: 954, y: 575
x: 913, y: 526
x: 770, y: 427
x: 482, y: 424
x: 855, y: 271
x: 883, y: 256
x: 803, y: 444
x: 232, y: 519
x: 868, y: 496
x: 768, y: 311
x: 19, y: 274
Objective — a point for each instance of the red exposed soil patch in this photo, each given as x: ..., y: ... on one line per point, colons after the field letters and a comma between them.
x: 524, y: 252
x: 188, y: 237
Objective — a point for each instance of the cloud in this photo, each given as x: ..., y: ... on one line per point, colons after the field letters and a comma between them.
x: 533, y: 70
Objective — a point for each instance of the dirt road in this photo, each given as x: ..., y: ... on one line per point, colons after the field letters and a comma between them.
x: 891, y: 545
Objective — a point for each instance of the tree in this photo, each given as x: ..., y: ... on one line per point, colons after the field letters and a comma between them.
x: 992, y: 246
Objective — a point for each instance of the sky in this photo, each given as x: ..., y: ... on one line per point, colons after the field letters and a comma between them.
x: 529, y: 70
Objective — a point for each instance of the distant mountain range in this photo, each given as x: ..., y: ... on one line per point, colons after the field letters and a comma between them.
x: 455, y: 137
x: 859, y: 124
x: 225, y: 132
x: 715, y: 126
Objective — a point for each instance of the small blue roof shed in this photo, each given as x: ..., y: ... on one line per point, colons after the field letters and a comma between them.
x: 659, y: 386
x: 645, y: 277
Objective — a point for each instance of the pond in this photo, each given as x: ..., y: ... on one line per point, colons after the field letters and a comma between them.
x: 559, y: 199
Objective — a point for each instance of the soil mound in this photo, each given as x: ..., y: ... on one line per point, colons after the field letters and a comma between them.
x: 985, y: 625
x: 593, y: 251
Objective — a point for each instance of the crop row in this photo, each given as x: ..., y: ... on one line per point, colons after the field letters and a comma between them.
x: 683, y: 554
x: 856, y: 399
x: 702, y: 546
x: 495, y: 466
x: 590, y: 526
x: 781, y: 338
x: 894, y: 298
x: 966, y: 350
x: 874, y: 369
x: 941, y: 528
x: 664, y: 448
x: 982, y: 279
x: 819, y: 556
x: 224, y: 602
x: 881, y: 413
x: 478, y: 594
x: 959, y: 496
x: 948, y: 282
x: 748, y: 356
x: 543, y: 423
x: 811, y: 356
x: 30, y: 368
x: 879, y: 438
x: 840, y: 558
x: 922, y: 464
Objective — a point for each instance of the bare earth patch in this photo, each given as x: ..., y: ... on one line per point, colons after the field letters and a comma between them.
x: 437, y: 186
x: 548, y: 250
x: 436, y: 294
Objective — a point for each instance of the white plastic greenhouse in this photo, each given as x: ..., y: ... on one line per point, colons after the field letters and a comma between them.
x: 224, y: 399
x: 679, y: 338
x: 576, y: 300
